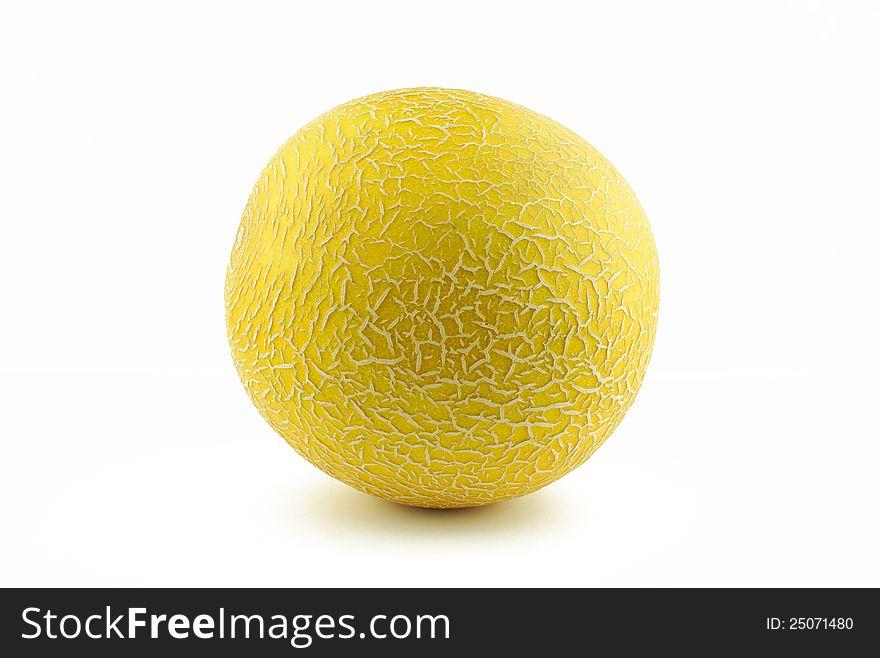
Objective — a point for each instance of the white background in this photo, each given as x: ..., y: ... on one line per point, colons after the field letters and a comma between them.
x: 130, y: 138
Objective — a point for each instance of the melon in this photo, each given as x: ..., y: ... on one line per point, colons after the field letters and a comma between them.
x: 441, y: 298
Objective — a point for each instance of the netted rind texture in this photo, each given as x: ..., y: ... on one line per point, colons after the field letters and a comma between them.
x: 442, y: 298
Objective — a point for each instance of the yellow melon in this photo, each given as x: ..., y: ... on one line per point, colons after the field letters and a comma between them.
x: 441, y: 298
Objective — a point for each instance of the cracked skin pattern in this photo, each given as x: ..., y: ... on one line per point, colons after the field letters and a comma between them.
x: 442, y: 298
